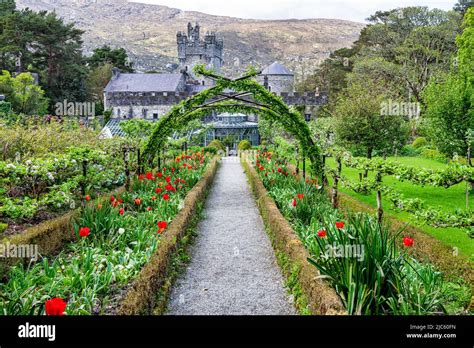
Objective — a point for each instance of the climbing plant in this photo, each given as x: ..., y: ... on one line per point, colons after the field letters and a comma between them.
x: 217, y: 99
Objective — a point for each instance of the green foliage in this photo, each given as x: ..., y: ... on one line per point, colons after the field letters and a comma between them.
x: 3, y: 227
x: 360, y: 124
x: 57, y: 54
x: 190, y: 109
x: 117, y: 58
x: 244, y: 145
x: 216, y: 144
x: 433, y: 154
x: 88, y: 273
x: 419, y: 142
x: 371, y: 273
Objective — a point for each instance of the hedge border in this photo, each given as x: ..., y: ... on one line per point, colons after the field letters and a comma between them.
x: 320, y: 297
x: 49, y: 235
x: 141, y: 297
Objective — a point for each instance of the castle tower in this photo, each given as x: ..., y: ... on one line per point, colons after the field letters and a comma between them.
x: 277, y: 78
x: 192, y: 50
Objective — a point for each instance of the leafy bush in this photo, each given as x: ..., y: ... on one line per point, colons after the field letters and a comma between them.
x: 409, y: 151
x: 217, y: 144
x: 244, y: 145
x: 433, y: 154
x: 419, y: 142
x: 3, y: 227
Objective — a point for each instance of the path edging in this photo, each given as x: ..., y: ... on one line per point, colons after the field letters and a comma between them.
x: 320, y: 296
x: 141, y: 296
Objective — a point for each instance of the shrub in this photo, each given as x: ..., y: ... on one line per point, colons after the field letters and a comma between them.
x: 409, y: 151
x: 244, y: 145
x: 217, y: 144
x: 419, y: 142
x: 3, y: 227
x: 433, y: 154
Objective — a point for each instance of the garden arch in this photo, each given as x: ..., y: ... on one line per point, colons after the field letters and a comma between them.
x: 219, y: 99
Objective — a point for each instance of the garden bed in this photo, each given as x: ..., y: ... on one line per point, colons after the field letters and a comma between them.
x: 376, y: 273
x: 117, y: 241
x: 316, y: 294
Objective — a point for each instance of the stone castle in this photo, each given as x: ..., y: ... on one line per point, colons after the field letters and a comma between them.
x: 150, y: 96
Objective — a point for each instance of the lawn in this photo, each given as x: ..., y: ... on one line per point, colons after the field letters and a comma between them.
x: 437, y: 197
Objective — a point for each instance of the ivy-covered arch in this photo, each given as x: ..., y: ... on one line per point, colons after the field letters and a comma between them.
x: 264, y: 103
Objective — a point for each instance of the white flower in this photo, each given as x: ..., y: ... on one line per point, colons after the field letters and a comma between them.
x: 50, y: 176
x: 29, y: 163
x: 121, y: 231
x: 59, y: 205
x: 73, y: 161
x: 72, y: 205
x: 181, y: 205
x: 10, y: 166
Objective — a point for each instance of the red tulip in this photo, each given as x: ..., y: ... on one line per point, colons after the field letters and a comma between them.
x: 158, y: 190
x: 88, y: 198
x: 295, y: 203
x: 159, y: 174
x: 168, y: 179
x: 162, y: 225
x: 122, y: 211
x: 279, y: 170
x: 56, y: 306
x: 99, y: 206
x: 300, y: 196
x: 153, y: 198
x: 149, y: 176
x: 322, y: 233
x: 141, y: 177
x: 115, y: 203
x: 166, y: 196
x: 84, y: 231
x: 149, y: 209
x: 408, y: 242
x: 138, y: 201
x: 169, y: 187
x: 120, y: 200
x: 112, y: 199
x: 339, y: 224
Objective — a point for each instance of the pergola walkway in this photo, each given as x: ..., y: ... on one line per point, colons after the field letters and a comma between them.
x: 233, y: 269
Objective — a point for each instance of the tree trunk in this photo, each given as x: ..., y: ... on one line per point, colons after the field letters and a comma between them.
x: 369, y: 156
x: 379, y: 199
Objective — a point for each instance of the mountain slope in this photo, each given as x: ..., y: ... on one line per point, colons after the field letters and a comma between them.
x: 148, y: 32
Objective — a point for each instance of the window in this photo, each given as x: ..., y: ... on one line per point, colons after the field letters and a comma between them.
x: 118, y: 112
x: 155, y: 115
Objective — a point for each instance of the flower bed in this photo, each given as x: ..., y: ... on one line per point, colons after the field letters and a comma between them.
x: 368, y: 266
x: 115, y: 240
x: 42, y: 188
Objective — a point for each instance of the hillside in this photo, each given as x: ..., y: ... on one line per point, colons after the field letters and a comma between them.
x: 148, y: 32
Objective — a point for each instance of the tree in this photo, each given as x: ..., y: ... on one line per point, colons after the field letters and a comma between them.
x: 463, y: 5
x: 97, y: 80
x: 7, y: 7
x: 360, y: 124
x: 106, y: 55
x: 25, y: 96
x: 450, y: 117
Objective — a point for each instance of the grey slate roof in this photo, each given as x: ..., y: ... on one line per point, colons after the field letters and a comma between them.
x: 276, y: 69
x: 145, y: 83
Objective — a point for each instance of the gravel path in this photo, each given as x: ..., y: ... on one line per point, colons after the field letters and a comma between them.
x: 233, y: 269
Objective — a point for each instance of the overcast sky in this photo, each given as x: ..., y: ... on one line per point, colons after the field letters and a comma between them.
x: 354, y: 10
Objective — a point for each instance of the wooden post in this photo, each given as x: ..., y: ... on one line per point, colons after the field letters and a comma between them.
x: 337, y: 177
x: 378, y: 179
x: 139, y: 162
x: 127, y: 169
